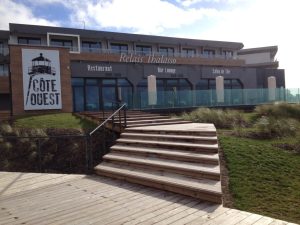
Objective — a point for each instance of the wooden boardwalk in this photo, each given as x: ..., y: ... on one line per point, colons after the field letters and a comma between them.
x: 32, y: 198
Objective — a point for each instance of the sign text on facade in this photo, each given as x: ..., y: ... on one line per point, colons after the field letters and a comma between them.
x: 132, y: 58
x: 41, y: 79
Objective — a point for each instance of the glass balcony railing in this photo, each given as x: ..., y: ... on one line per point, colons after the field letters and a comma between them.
x: 4, y: 51
x: 155, y: 53
x: 75, y: 49
x: 212, y: 98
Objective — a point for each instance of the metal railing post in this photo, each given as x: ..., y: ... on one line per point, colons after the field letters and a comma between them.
x: 125, y: 118
x: 40, y: 155
x: 87, y: 154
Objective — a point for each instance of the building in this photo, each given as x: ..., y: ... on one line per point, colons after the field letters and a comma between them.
x: 65, y: 69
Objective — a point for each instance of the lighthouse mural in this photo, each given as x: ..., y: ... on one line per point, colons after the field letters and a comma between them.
x: 41, y: 79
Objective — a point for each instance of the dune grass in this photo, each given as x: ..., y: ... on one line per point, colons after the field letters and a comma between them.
x: 263, y: 179
x: 262, y: 154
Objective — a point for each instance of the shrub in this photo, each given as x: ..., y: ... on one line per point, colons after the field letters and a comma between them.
x: 281, y: 110
x: 6, y: 129
x: 269, y: 127
x: 220, y: 118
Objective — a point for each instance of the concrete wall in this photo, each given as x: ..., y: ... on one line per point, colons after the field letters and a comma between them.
x: 254, y: 58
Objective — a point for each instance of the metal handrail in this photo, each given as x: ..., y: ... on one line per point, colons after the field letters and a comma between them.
x: 105, y: 121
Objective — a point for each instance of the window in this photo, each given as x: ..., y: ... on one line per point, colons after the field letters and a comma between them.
x: 78, y: 94
x: 3, y: 70
x: 91, y: 95
x: 29, y: 41
x: 236, y: 84
x: 202, y: 84
x: 188, y: 52
x: 209, y: 52
x: 166, y: 51
x: 173, y: 92
x: 143, y: 50
x: 227, y: 54
x: 5, y: 102
x: 88, y: 46
x: 61, y: 43
x: 1, y: 48
x: 119, y: 48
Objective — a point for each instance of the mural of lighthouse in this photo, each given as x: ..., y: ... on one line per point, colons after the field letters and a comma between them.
x: 41, y: 79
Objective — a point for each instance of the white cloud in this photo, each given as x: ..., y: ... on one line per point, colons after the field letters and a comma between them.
x: 254, y: 22
x: 141, y: 16
x: 12, y: 12
x: 188, y: 3
x: 263, y: 23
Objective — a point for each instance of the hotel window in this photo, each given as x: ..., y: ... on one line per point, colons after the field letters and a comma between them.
x: 3, y: 70
x: 119, y: 48
x: 29, y: 41
x: 61, y: 43
x: 88, y: 46
x: 143, y: 50
x: 1, y: 48
x: 166, y: 51
x: 227, y: 54
x: 209, y: 52
x: 78, y: 94
x: 188, y: 52
x: 5, y: 102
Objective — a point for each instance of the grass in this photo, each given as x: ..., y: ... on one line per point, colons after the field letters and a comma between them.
x: 262, y: 178
x: 59, y: 120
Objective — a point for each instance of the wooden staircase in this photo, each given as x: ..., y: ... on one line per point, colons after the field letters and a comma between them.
x: 181, y: 158
x: 134, y: 118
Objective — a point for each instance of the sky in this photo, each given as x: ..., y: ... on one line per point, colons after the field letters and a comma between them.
x: 255, y: 23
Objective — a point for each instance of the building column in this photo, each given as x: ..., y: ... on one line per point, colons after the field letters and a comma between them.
x: 220, y: 89
x: 272, y: 88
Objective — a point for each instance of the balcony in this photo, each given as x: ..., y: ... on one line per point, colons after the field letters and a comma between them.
x: 148, y: 53
x: 149, y: 57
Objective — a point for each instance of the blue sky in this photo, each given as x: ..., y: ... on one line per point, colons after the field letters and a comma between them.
x: 255, y: 23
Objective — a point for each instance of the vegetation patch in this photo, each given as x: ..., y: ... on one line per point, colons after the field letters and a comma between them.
x: 280, y: 110
x: 220, y: 118
x: 59, y: 120
x: 262, y: 178
x: 62, y: 147
x: 262, y: 155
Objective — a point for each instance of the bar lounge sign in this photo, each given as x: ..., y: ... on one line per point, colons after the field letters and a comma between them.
x: 41, y: 79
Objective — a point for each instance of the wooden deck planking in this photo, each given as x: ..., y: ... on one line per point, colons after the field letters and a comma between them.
x: 78, y: 199
x: 113, y: 209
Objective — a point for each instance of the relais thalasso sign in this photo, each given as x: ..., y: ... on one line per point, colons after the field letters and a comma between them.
x: 152, y: 59
x: 41, y: 79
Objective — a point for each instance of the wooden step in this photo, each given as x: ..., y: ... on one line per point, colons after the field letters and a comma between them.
x: 210, y: 148
x: 198, y: 189
x: 167, y: 154
x: 133, y: 118
x: 170, y: 137
x: 189, y: 169
x: 152, y: 120
x: 153, y: 130
x: 157, y: 123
